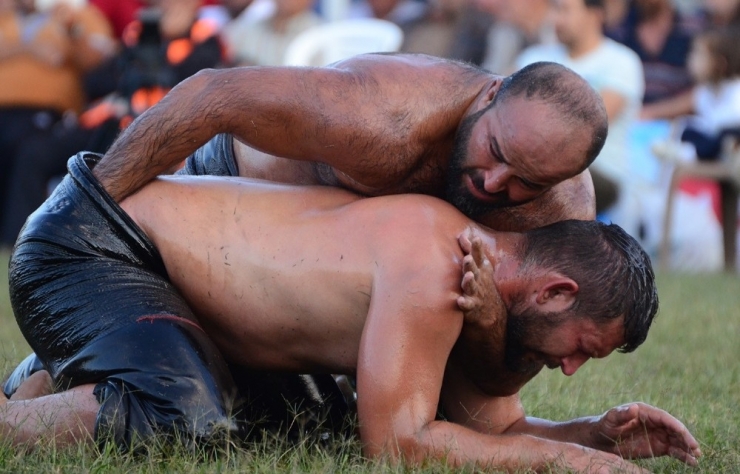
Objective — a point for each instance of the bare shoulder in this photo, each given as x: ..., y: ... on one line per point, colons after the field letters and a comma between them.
x: 443, y: 83
x: 416, y: 236
x: 416, y: 213
x: 413, y: 65
x: 418, y: 258
x: 571, y: 199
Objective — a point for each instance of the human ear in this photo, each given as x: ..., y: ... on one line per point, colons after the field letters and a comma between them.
x: 557, y: 293
x: 489, y: 93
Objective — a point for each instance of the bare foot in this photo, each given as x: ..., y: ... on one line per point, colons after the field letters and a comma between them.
x: 37, y: 385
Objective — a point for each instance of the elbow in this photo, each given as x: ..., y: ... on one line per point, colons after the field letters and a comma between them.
x: 199, y: 83
x: 202, y: 95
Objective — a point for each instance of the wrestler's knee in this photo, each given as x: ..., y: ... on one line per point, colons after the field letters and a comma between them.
x: 130, y: 416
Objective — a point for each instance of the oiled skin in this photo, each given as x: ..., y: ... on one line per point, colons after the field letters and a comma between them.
x: 373, y: 124
x: 317, y: 279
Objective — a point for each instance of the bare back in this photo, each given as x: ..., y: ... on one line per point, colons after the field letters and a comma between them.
x: 283, y: 277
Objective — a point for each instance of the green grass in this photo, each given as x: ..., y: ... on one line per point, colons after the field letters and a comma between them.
x: 690, y: 366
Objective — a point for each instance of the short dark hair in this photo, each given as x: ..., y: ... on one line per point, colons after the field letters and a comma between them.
x: 614, y: 274
x: 594, y: 4
x: 560, y: 87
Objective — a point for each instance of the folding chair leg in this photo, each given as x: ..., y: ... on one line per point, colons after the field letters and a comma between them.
x: 664, y: 251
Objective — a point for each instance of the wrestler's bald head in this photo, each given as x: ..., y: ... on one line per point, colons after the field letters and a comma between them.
x: 574, y: 101
x: 525, y: 134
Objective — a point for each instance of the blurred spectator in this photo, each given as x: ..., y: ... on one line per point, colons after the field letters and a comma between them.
x: 518, y: 24
x: 166, y: 46
x: 615, y: 14
x: 396, y: 11
x: 658, y: 33
x: 612, y: 69
x: 43, y: 56
x: 714, y: 63
x: 713, y: 14
x: 264, y: 42
x: 452, y: 29
x: 253, y: 12
x: 119, y: 12
x: 719, y: 13
x: 225, y: 11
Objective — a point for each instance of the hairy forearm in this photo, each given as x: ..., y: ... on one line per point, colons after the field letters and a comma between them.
x: 270, y: 109
x: 581, y: 431
x: 160, y: 138
x: 459, y: 446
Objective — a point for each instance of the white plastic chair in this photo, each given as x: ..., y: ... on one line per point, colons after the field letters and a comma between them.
x: 331, y: 42
x: 726, y: 170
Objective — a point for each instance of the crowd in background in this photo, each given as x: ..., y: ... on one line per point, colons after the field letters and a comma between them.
x: 73, y: 73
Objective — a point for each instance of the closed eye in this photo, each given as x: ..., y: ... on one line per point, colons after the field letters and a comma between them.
x: 496, y: 156
x: 530, y: 185
x: 496, y: 151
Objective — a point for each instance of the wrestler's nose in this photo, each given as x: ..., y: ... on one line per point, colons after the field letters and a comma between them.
x: 496, y: 179
x: 569, y: 365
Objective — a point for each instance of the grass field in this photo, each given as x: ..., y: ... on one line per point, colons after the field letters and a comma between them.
x: 690, y: 366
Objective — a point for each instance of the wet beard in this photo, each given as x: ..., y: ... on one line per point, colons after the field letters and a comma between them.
x: 524, y: 329
x: 456, y: 193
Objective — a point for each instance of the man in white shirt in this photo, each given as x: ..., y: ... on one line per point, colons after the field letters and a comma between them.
x: 614, y: 70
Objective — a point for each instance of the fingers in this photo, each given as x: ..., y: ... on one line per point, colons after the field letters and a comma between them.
x: 469, y: 263
x: 622, y: 414
x: 477, y: 245
x: 683, y: 456
x: 464, y: 241
x: 470, y: 266
x: 469, y: 283
x: 678, y: 434
x: 661, y: 428
x: 467, y: 301
x: 477, y: 250
x: 465, y: 304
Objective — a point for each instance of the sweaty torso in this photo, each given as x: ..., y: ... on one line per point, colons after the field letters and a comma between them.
x: 282, y: 278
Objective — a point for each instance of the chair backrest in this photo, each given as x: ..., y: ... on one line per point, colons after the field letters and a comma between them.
x: 331, y: 42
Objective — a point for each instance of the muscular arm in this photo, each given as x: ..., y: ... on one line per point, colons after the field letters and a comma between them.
x: 410, y: 331
x: 354, y: 116
x: 634, y: 430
